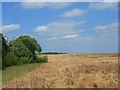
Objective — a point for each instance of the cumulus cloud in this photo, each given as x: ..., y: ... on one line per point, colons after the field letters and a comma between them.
x: 50, y: 5
x: 11, y: 27
x: 69, y: 36
x: 73, y: 13
x: 106, y: 29
x: 103, y: 6
x: 61, y: 30
x: 40, y: 29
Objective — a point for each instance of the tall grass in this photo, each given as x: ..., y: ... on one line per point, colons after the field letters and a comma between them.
x: 16, y: 71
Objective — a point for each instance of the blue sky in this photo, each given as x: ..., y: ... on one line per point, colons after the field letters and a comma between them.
x: 81, y: 27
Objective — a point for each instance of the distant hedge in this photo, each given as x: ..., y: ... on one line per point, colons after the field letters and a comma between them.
x: 54, y: 53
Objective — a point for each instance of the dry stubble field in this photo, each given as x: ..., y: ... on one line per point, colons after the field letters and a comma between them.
x: 72, y: 71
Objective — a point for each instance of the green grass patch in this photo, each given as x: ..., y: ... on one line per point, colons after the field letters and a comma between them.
x: 16, y: 71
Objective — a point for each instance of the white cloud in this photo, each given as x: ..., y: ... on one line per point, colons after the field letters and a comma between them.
x: 65, y: 37
x: 73, y: 13
x: 50, y: 5
x: 40, y: 29
x: 61, y: 30
x: 107, y: 29
x: 110, y: 0
x: 103, y: 6
x: 11, y: 27
x: 69, y: 36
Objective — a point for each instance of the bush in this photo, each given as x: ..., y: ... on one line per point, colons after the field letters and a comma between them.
x: 10, y: 59
x: 43, y: 59
x: 23, y: 60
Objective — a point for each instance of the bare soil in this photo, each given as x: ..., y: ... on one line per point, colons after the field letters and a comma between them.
x: 71, y: 71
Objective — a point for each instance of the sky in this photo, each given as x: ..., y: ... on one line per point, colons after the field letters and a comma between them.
x: 71, y: 27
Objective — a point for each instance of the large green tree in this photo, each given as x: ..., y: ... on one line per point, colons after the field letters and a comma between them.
x: 20, y: 50
x: 31, y: 44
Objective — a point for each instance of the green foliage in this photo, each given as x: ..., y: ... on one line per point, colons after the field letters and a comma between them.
x: 43, y: 59
x: 20, y: 50
x: 39, y: 49
x: 10, y: 59
x: 3, y: 49
x: 23, y: 60
x: 4, y: 46
x: 31, y: 44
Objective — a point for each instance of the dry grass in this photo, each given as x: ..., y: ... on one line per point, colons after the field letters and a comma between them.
x: 72, y: 71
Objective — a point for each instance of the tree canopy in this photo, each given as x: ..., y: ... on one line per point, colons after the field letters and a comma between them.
x: 30, y: 43
x: 20, y: 50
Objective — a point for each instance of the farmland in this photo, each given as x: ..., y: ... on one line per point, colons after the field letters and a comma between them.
x: 71, y: 71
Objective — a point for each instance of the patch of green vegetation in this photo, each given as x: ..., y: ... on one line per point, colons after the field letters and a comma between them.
x: 42, y: 59
x: 19, y: 51
x: 17, y: 71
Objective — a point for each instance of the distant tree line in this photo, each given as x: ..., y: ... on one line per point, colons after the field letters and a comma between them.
x: 54, y: 53
x: 20, y: 51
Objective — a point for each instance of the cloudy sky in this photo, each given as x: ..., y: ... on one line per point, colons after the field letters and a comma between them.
x: 81, y: 27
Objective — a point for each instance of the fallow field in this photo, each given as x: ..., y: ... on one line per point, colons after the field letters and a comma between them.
x: 71, y: 71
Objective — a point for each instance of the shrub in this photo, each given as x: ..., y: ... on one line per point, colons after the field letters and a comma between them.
x: 10, y: 59
x: 43, y: 59
x: 23, y: 60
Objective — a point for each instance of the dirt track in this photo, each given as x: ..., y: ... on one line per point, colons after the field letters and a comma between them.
x: 72, y: 71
